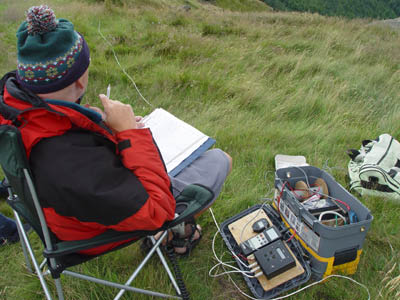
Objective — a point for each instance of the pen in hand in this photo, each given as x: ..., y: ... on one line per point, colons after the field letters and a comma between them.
x: 138, y: 119
x: 108, y: 91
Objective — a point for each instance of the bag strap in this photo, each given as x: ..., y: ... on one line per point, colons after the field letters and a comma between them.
x: 353, y: 153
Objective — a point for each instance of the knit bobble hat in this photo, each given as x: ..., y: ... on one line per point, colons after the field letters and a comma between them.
x: 51, y: 54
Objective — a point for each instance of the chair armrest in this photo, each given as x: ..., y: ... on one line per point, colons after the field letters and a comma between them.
x: 68, y: 247
x: 198, y: 197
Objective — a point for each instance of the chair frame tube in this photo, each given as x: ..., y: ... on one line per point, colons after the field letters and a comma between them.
x: 155, y: 247
x: 32, y: 255
x: 45, y: 230
x: 165, y: 264
x: 25, y: 250
x: 23, y: 245
x: 117, y: 285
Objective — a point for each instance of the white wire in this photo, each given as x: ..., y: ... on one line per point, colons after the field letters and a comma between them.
x: 220, y: 262
x: 331, y: 212
x: 229, y: 272
x: 215, y: 255
x: 123, y: 70
x: 305, y: 174
x: 303, y: 288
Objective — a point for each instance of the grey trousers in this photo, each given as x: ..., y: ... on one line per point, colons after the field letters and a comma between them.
x: 210, y: 170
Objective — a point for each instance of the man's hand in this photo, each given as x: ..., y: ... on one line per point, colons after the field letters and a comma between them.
x: 139, y: 123
x: 98, y: 110
x: 103, y: 115
x: 118, y: 116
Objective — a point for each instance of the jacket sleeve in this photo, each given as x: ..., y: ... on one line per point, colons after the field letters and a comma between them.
x: 140, y: 154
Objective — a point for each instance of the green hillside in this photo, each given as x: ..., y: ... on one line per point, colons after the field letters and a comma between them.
x: 377, y: 9
x: 261, y: 83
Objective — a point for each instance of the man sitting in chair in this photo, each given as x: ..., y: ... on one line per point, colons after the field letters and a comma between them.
x: 93, y: 169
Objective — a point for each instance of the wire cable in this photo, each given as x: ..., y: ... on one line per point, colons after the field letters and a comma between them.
x: 213, y: 243
x: 220, y: 262
x: 123, y: 70
x: 178, y: 274
x: 333, y: 213
x: 303, y: 288
x: 305, y: 174
x: 318, y: 192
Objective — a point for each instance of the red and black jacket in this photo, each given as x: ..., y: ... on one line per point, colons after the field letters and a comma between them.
x: 88, y: 179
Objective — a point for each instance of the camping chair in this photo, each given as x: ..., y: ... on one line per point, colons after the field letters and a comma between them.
x: 60, y: 255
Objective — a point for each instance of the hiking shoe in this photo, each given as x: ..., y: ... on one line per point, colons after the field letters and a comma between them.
x: 15, y: 237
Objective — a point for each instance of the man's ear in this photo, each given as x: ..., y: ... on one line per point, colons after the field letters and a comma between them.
x: 79, y: 83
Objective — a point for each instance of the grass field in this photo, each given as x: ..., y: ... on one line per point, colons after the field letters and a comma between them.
x: 261, y: 83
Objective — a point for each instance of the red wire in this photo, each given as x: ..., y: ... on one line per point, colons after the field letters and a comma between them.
x: 294, y: 191
x: 242, y: 256
x: 344, y: 203
x: 290, y: 238
x: 293, y: 235
x: 315, y: 193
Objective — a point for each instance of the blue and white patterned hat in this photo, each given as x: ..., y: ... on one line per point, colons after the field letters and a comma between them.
x: 51, y: 54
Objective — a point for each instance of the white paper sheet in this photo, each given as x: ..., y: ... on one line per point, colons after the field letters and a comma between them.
x: 175, y: 138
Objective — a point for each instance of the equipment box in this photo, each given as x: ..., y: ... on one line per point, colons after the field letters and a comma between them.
x: 240, y: 226
x: 331, y: 224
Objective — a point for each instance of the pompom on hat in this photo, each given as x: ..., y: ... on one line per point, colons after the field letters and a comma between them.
x: 51, y: 54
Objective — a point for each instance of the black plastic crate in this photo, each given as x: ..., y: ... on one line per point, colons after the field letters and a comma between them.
x: 293, y: 244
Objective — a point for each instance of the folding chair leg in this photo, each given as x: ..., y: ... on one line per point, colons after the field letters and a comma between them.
x: 32, y: 255
x: 117, y: 285
x: 139, y: 268
x: 60, y: 293
x: 166, y: 267
x: 24, y: 250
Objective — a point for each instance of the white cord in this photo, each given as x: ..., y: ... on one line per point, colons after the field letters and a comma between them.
x: 333, y: 213
x: 305, y: 174
x: 303, y: 288
x: 123, y: 70
x: 220, y: 262
x: 213, y: 243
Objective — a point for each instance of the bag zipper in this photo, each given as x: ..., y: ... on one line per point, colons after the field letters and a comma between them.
x: 387, y: 150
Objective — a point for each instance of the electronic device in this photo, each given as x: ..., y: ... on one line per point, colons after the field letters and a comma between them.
x: 315, y: 206
x: 274, y: 259
x: 269, y: 235
x: 260, y: 225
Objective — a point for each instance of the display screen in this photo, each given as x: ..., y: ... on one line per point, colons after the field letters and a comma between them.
x: 280, y: 253
x: 272, y: 234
